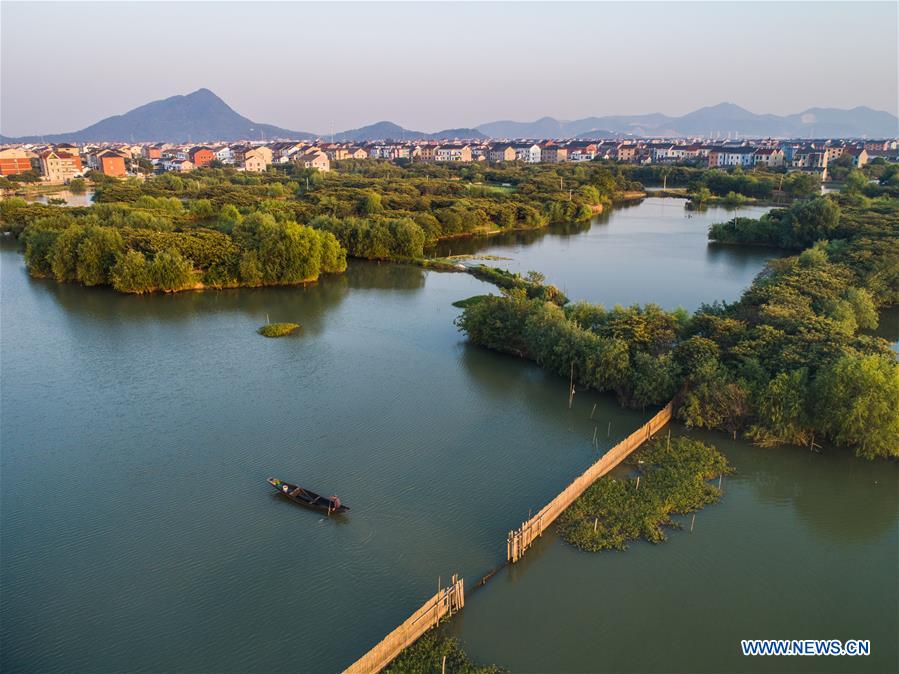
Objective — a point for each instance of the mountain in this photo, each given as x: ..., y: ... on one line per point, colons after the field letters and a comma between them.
x: 203, y: 116
x: 722, y: 119
x: 391, y: 131
x: 200, y: 116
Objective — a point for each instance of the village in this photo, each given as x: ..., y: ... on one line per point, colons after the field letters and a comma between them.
x: 62, y: 162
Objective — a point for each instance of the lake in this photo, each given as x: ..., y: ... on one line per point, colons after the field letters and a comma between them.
x: 138, y: 532
x: 70, y: 198
x: 652, y: 251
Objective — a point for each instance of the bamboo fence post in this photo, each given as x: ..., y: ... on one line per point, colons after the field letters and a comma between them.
x: 571, y: 386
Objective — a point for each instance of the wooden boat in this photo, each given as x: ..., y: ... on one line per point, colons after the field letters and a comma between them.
x: 308, y: 498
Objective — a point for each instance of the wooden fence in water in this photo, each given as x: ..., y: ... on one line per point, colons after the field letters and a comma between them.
x: 520, y: 539
x: 445, y: 602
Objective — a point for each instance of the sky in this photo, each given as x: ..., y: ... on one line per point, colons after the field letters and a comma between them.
x: 428, y: 66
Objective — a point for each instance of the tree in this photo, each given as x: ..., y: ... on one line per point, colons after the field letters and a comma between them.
x: 857, y: 404
x: 370, y: 203
x: 289, y: 253
x: 131, y: 273
x: 64, y: 254
x: 855, y: 181
x: 782, y: 411
x: 38, y: 244
x: 97, y: 254
x: 169, y: 271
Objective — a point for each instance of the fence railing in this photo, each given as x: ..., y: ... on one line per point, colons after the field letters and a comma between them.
x: 521, y: 539
x: 447, y: 601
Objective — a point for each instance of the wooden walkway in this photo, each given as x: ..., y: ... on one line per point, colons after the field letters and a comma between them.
x: 521, y: 538
x: 447, y: 601
x: 450, y: 599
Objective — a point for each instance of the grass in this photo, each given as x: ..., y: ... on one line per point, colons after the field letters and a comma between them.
x: 278, y: 329
x: 673, y: 480
x: 425, y: 656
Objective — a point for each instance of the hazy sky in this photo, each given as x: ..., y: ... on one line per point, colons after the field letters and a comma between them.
x: 429, y: 66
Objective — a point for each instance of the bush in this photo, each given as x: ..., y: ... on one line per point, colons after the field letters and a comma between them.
x: 278, y: 329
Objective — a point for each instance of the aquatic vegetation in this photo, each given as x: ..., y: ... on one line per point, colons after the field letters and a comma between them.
x: 426, y: 655
x: 278, y: 329
x: 673, y: 479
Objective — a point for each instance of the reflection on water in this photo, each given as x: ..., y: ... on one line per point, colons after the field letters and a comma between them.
x: 888, y: 326
x: 69, y: 198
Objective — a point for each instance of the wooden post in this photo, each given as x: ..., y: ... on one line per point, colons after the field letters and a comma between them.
x: 720, y: 478
x: 692, y: 522
x: 443, y: 668
x: 609, y: 430
x: 571, y: 386
x: 669, y: 440
x: 593, y: 410
x: 638, y: 484
x: 595, y: 523
x: 594, y: 436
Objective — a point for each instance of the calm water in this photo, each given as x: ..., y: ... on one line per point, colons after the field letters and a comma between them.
x: 138, y: 532
x: 85, y: 198
x: 802, y: 546
x: 653, y: 251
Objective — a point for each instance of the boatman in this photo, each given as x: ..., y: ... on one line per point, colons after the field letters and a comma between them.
x: 335, y: 503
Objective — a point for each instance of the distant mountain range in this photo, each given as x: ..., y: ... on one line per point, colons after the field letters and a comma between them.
x: 203, y: 116
x: 384, y: 130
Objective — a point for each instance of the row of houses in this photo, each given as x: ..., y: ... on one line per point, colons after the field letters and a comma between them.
x: 62, y: 162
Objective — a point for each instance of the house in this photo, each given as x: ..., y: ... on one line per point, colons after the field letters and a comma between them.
x: 661, y: 152
x: 501, y: 152
x: 224, y: 155
x: 428, y: 152
x: 238, y: 153
x: 152, y: 152
x: 60, y: 167
x: 769, y: 157
x: 110, y: 163
x: 254, y: 161
x: 265, y: 152
x: 200, y: 156
x: 835, y: 152
x: 527, y: 153
x: 14, y: 160
x: 553, y: 154
x: 315, y: 159
x: 68, y: 148
x: 626, y: 152
x: 731, y: 156
x: 859, y: 156
x: 685, y: 152
x: 180, y: 165
x: 809, y: 158
x: 445, y: 153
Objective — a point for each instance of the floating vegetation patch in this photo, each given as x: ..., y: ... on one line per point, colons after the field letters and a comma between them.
x: 673, y: 479
x: 470, y: 301
x: 426, y: 655
x: 278, y: 329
